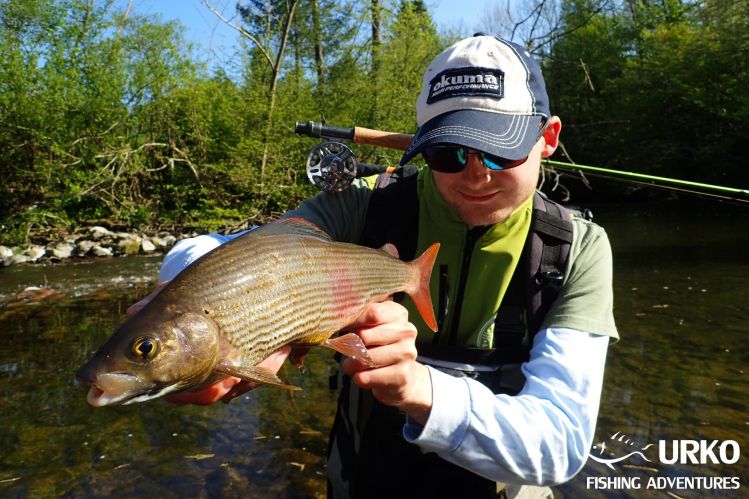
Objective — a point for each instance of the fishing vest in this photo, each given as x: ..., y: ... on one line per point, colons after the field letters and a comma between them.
x: 367, y: 454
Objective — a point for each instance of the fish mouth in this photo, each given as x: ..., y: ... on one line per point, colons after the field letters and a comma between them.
x: 116, y: 388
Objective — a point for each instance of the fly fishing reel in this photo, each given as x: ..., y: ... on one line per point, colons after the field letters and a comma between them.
x: 331, y: 166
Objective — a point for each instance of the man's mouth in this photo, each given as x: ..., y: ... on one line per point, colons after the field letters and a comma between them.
x: 478, y: 197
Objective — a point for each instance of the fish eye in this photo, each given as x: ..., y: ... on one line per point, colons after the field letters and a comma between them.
x: 145, y: 348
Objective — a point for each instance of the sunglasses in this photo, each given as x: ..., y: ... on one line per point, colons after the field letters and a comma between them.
x: 449, y: 158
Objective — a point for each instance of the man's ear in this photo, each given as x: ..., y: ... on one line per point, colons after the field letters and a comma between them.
x: 551, y: 136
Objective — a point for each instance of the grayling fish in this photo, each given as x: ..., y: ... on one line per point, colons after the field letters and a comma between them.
x: 285, y: 283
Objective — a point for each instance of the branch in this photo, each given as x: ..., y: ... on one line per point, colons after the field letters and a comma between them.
x: 124, y: 18
x: 552, y: 37
x: 587, y: 75
x: 241, y: 31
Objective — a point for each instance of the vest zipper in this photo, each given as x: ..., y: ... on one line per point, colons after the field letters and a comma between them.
x: 472, y: 236
x: 443, y: 305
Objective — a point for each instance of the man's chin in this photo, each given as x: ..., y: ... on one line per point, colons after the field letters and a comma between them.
x: 475, y: 218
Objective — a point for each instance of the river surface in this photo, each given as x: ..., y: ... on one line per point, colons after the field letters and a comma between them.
x: 680, y: 372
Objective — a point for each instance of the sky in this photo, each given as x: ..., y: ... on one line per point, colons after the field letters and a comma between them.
x: 213, y: 40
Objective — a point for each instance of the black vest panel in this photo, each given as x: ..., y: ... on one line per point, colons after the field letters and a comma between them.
x: 385, y: 465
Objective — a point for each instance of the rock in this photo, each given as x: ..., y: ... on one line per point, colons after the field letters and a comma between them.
x: 158, y: 242
x: 84, y: 246
x: 147, y: 246
x: 15, y: 259
x: 129, y: 236
x: 129, y: 246
x: 96, y: 241
x: 169, y: 240
x: 62, y: 251
x: 97, y: 233
x: 101, y: 251
x: 35, y: 253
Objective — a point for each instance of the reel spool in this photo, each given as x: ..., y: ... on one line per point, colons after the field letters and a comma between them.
x: 331, y: 166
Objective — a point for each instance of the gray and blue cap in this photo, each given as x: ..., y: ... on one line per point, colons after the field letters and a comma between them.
x: 484, y: 93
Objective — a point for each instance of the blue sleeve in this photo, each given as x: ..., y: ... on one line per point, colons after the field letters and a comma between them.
x: 541, y: 436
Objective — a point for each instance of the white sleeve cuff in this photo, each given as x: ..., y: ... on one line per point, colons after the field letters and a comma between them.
x: 449, y: 418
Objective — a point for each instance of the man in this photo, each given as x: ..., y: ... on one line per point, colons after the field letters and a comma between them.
x: 507, y: 392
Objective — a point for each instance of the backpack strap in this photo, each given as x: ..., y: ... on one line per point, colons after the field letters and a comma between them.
x: 549, y: 252
x: 394, y: 198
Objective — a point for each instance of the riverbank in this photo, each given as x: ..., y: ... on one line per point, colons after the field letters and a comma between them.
x: 95, y: 241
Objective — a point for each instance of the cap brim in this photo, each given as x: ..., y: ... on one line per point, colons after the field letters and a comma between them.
x: 504, y: 135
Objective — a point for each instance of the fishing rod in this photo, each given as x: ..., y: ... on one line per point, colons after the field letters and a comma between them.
x: 332, y: 166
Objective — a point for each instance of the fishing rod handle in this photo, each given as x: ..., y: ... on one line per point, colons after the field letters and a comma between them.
x: 381, y: 138
x: 358, y: 135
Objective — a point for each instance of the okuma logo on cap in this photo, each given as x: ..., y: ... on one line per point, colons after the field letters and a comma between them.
x: 470, y: 81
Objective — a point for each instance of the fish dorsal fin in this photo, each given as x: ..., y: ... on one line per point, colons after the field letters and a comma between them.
x: 390, y: 249
x: 254, y: 374
x: 295, y: 226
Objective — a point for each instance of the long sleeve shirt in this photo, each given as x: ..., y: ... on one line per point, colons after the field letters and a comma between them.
x: 540, y: 436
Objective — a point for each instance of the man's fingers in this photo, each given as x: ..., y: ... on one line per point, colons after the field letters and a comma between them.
x: 237, y: 390
x: 381, y: 313
x: 383, y: 356
x: 386, y: 334
x: 206, y: 395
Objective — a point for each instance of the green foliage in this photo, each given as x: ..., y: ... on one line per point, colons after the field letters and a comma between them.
x: 655, y: 87
x: 104, y: 116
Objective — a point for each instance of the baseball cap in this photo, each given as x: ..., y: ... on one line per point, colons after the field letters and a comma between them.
x: 484, y: 93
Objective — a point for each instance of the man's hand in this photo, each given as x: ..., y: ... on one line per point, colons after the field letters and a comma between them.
x: 225, y: 389
x: 398, y: 380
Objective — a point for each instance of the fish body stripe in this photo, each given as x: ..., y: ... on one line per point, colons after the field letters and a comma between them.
x: 265, y: 292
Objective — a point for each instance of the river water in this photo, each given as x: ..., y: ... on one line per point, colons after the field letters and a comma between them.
x: 679, y: 373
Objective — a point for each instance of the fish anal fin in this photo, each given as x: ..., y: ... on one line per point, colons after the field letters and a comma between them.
x: 255, y: 374
x: 352, y: 346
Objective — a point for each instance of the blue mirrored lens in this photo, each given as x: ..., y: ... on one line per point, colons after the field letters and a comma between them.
x: 460, y: 153
x: 490, y: 163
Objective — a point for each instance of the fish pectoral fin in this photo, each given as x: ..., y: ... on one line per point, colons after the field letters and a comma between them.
x: 255, y: 374
x: 352, y: 346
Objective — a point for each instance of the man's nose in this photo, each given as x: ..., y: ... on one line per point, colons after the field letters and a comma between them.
x: 475, y: 167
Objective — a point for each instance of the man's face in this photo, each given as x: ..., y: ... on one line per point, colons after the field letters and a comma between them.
x: 482, y: 196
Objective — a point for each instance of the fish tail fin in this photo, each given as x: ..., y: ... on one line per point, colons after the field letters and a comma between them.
x: 419, y: 293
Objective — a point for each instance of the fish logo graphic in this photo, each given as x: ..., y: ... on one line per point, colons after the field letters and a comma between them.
x: 623, y: 439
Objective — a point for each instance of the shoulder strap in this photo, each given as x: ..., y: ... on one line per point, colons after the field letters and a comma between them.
x: 394, y: 198
x: 548, y: 255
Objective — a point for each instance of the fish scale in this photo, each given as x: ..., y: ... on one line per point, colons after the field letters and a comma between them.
x: 283, y: 308
x: 285, y: 283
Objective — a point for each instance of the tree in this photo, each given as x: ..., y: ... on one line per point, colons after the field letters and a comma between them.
x: 72, y: 74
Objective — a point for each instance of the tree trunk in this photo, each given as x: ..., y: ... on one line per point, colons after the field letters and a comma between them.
x: 272, y: 91
x: 375, y: 76
x: 319, y: 63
